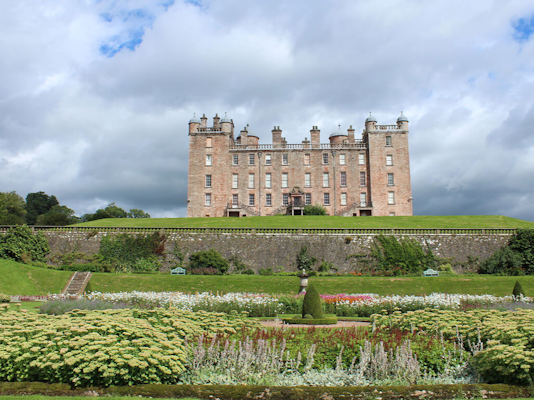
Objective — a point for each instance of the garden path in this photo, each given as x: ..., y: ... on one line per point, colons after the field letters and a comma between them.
x: 340, y: 324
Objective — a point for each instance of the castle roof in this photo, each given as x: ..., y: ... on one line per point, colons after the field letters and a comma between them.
x: 226, y: 119
x: 339, y: 132
x: 402, y: 118
x: 370, y: 118
x: 194, y: 120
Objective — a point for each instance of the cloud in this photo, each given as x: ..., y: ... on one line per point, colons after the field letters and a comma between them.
x: 96, y: 95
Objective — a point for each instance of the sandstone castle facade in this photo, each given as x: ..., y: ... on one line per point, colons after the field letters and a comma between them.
x: 238, y: 176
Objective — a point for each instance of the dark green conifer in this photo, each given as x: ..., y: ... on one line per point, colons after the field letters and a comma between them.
x: 518, y: 289
x: 312, y: 303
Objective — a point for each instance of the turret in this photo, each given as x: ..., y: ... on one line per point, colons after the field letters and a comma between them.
x: 339, y: 136
x: 402, y: 122
x: 194, y: 123
x: 226, y: 124
x: 370, y: 123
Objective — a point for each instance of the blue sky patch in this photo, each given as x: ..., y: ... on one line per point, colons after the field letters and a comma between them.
x: 523, y: 29
x: 116, y: 43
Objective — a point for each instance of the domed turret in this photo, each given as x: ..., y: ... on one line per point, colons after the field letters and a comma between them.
x: 402, y: 118
x: 194, y: 120
x: 339, y: 132
x: 226, y: 119
x: 370, y: 118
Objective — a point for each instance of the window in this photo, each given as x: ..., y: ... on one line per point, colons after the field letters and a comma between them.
x: 362, y: 178
x: 235, y: 159
x: 207, y: 197
x: 209, y: 142
x: 251, y: 181
x: 235, y: 181
x: 391, y: 214
x: 363, y: 199
x: 391, y: 197
x: 285, y: 159
x: 389, y: 159
x: 267, y: 159
x: 285, y: 199
x: 326, y: 199
x: 325, y: 158
x: 235, y: 199
x: 342, y: 159
x: 391, y: 182
x: 307, y: 159
x: 208, y: 180
x: 267, y: 180
x: 251, y: 158
x: 250, y: 199
x: 389, y: 141
x: 307, y: 199
x: 209, y: 159
x: 343, y: 199
x: 343, y: 180
x: 307, y: 179
x: 268, y: 200
x: 325, y: 179
x: 361, y: 159
x: 284, y: 180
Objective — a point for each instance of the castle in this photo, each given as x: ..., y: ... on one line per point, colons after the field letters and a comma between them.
x: 237, y: 176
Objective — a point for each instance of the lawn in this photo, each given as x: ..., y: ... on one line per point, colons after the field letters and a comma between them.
x: 421, y: 222
x: 17, y: 278
x: 465, y: 284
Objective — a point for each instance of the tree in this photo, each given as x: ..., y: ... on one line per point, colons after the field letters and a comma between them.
x: 20, y: 244
x: 111, y: 211
x: 138, y: 213
x: 38, y: 203
x: 311, y: 305
x: 12, y: 209
x: 304, y: 260
x: 58, y: 216
x: 208, y: 259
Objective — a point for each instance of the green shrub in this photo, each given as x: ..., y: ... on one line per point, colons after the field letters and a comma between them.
x: 304, y: 260
x: 326, y: 266
x: 247, y: 272
x: 518, y: 290
x: 266, y: 271
x: 5, y: 298
x: 401, y: 257
x: 503, y: 262
x: 326, y: 320
x: 446, y: 268
x: 312, y: 303
x: 308, y: 316
x: 20, y: 244
x: 315, y: 209
x: 522, y: 243
x: 127, y: 249
x: 208, y: 259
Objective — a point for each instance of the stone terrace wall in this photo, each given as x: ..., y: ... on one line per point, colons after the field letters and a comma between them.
x: 262, y: 248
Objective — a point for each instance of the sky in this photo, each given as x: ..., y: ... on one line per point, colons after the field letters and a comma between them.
x: 95, y: 96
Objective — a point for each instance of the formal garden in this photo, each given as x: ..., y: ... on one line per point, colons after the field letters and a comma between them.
x: 222, y: 344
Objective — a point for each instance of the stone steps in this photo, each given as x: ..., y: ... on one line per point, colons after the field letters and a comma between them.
x: 76, y: 284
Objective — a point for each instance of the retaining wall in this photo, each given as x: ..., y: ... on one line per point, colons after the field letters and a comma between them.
x: 262, y: 248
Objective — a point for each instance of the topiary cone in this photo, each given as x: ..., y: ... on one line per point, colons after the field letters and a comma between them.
x: 518, y: 290
x: 312, y: 303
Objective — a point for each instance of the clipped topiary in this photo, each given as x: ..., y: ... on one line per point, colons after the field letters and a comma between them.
x: 518, y: 290
x: 312, y: 303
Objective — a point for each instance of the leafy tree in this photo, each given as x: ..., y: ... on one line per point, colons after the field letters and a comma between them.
x: 58, y: 216
x: 20, y: 244
x: 504, y: 261
x: 38, y: 203
x: 12, y: 209
x: 208, y: 259
x: 138, y: 213
x: 304, y: 260
x: 518, y: 290
x: 522, y: 243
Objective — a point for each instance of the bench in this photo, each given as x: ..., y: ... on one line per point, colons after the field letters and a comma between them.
x: 178, y: 271
x: 431, y: 272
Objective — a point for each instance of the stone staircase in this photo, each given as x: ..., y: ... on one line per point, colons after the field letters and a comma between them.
x: 76, y: 284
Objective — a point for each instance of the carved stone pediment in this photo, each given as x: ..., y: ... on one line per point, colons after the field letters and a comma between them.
x: 296, y: 191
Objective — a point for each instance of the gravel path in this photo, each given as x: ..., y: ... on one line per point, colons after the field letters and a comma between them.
x: 340, y: 324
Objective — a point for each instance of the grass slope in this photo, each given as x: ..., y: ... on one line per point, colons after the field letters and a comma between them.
x: 16, y: 278
x: 436, y: 222
x: 464, y: 284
